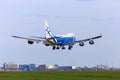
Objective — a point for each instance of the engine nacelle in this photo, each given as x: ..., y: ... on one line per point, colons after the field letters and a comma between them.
x: 91, y: 42
x: 30, y: 42
x: 81, y: 43
x: 47, y: 44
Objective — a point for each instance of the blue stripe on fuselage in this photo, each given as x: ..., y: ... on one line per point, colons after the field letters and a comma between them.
x: 65, y: 40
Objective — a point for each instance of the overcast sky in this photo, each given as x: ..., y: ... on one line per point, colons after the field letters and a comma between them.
x: 84, y: 18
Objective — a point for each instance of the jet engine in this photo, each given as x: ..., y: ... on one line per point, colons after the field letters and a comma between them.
x: 81, y: 43
x: 47, y: 44
x: 30, y: 42
x: 91, y: 42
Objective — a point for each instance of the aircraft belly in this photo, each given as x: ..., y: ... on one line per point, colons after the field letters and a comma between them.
x: 51, y: 41
x: 65, y: 40
x: 61, y: 41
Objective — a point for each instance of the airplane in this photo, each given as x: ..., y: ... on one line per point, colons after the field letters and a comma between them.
x: 60, y: 41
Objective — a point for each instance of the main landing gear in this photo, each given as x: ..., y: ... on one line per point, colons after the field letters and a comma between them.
x: 62, y: 47
x: 69, y: 47
x: 54, y: 48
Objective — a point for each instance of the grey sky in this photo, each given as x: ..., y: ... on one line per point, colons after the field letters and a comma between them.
x: 84, y: 18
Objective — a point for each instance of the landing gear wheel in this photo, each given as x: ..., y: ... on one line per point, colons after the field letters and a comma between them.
x: 63, y: 47
x: 57, y: 47
x: 69, y: 48
x: 53, y: 47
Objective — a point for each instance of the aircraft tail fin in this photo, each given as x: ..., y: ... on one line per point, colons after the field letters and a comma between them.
x: 48, y: 32
x: 46, y: 24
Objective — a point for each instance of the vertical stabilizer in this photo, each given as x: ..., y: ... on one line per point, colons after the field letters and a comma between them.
x: 48, y: 32
x: 46, y: 24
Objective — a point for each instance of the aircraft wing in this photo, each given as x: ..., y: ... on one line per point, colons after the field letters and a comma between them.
x: 88, y: 39
x: 37, y: 37
x: 30, y: 39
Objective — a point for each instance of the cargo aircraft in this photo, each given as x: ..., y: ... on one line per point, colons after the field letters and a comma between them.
x: 58, y: 42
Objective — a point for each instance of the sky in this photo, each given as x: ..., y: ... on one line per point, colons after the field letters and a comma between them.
x: 84, y: 18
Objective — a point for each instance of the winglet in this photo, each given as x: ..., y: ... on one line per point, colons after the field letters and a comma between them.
x: 101, y: 35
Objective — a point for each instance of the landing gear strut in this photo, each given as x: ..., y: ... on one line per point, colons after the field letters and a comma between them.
x: 53, y: 47
x: 69, y: 48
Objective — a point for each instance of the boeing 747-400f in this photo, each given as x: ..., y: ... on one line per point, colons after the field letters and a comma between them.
x: 58, y: 42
